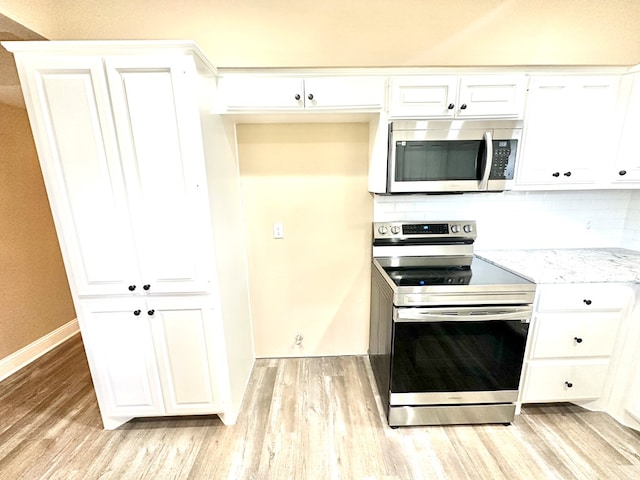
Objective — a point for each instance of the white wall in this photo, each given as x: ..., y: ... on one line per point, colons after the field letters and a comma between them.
x: 528, y: 219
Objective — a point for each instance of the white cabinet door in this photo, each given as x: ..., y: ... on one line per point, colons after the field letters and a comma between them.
x: 568, y: 133
x: 443, y: 96
x: 160, y: 142
x: 265, y: 93
x: 575, y: 335
x: 120, y: 350
x: 76, y: 142
x: 344, y: 93
x: 557, y: 381
x: 188, y: 346
x: 627, y: 167
x: 491, y: 96
x: 583, y: 297
x: 423, y: 96
x: 238, y: 93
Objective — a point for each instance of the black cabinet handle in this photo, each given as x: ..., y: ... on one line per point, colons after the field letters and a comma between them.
x: 556, y: 174
x: 146, y: 287
x: 151, y: 312
x: 451, y: 106
x: 297, y: 97
x: 136, y: 312
x: 463, y: 106
x: 568, y: 384
x: 567, y: 174
x: 622, y: 172
x: 587, y: 301
x: 132, y: 288
x: 577, y: 339
x: 310, y: 96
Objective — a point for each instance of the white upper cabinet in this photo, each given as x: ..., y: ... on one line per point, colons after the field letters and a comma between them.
x: 123, y: 165
x: 161, y: 148
x: 570, y: 131
x: 470, y: 96
x: 627, y: 166
x: 81, y: 163
x: 274, y: 93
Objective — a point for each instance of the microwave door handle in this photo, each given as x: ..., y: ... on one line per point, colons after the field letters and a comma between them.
x: 488, y: 160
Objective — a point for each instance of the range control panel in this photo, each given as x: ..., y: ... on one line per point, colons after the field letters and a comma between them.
x: 451, y: 229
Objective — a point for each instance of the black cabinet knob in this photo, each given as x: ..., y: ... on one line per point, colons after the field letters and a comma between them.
x: 146, y: 287
x: 297, y: 97
x: 463, y: 106
x: 568, y: 384
x: 556, y: 174
x: 136, y: 312
x: 577, y: 339
x: 132, y: 288
x: 310, y: 96
x: 151, y: 312
x: 567, y: 174
x: 451, y: 106
x: 587, y: 301
x: 622, y: 172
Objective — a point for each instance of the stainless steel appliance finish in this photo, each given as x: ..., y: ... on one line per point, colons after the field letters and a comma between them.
x: 448, y: 330
x: 452, y: 156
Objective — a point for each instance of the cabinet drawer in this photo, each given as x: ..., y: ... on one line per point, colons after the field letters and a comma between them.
x: 564, y: 381
x: 575, y: 335
x: 583, y: 296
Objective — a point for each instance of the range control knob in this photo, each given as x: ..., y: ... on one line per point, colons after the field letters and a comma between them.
x: 382, y: 230
x: 395, y: 230
x: 455, y: 228
x: 468, y: 228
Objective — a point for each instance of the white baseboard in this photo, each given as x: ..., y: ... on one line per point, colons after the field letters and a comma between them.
x: 23, y: 357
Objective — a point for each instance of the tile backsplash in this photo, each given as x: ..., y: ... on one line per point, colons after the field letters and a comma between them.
x: 631, y: 236
x: 567, y: 219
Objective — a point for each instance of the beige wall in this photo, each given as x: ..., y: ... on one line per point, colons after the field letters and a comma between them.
x: 314, y: 281
x: 281, y: 33
x: 33, y: 285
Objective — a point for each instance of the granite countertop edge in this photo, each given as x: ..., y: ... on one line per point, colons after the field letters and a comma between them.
x: 569, y: 265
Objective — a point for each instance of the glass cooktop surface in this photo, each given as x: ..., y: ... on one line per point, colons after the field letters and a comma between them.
x: 478, y: 273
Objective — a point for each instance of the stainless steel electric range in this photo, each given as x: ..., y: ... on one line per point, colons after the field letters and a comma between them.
x: 448, y: 329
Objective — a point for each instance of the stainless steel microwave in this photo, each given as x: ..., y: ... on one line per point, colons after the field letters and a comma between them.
x: 452, y: 156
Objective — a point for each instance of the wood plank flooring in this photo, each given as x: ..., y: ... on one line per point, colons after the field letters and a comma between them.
x: 309, y: 418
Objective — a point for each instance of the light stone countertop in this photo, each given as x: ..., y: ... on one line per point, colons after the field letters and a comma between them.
x: 569, y: 265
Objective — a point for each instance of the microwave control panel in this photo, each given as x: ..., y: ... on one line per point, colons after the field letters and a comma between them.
x: 504, y: 159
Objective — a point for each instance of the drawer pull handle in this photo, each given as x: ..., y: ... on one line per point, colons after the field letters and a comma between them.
x: 568, y: 384
x: 587, y: 301
x: 577, y: 339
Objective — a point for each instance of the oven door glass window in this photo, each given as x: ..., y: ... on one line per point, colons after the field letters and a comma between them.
x: 465, y: 356
x: 438, y: 160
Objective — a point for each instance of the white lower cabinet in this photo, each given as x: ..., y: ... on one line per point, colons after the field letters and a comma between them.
x: 559, y: 381
x: 153, y: 357
x: 573, y: 338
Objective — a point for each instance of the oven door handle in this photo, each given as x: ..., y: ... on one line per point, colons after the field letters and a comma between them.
x: 463, y: 314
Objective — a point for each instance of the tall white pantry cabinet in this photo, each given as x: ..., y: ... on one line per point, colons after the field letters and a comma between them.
x: 143, y: 184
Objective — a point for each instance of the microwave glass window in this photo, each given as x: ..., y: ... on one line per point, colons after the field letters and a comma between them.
x: 437, y: 160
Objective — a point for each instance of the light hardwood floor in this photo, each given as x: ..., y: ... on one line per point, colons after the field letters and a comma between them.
x: 310, y: 418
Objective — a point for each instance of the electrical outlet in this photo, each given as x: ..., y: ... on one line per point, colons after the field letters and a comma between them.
x: 278, y: 230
